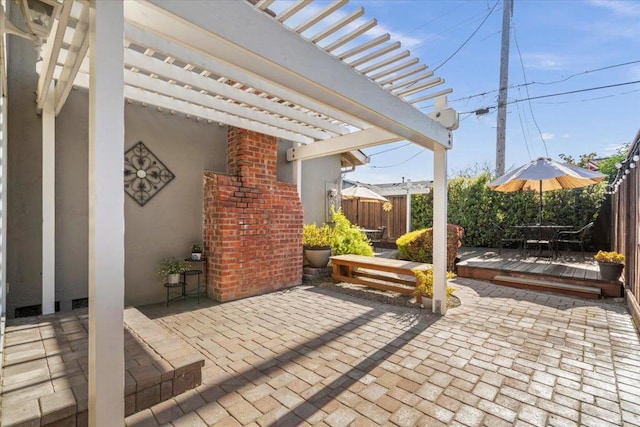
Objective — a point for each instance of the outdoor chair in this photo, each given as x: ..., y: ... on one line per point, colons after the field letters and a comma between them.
x: 508, y: 237
x: 541, y: 238
x: 577, y: 237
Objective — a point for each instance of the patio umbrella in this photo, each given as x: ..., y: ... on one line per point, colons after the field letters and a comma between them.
x: 360, y: 193
x: 544, y: 175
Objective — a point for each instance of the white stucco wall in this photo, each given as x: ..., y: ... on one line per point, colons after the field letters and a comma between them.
x: 166, y: 226
x: 318, y: 177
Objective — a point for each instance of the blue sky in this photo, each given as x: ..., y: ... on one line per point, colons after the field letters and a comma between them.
x: 560, y: 45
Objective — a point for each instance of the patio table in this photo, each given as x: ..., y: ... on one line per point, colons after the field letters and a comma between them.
x: 540, y: 235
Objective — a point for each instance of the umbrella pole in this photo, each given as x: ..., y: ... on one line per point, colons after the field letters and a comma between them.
x: 540, y: 207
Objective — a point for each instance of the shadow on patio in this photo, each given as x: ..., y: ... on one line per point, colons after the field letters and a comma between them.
x: 304, y: 366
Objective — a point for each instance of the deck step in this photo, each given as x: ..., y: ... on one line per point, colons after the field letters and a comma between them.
x: 548, y: 285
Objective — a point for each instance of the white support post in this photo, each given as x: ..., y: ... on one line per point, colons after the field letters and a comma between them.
x: 439, y: 231
x: 3, y: 207
x: 106, y: 215
x: 408, y: 210
x: 49, y: 203
x: 297, y: 174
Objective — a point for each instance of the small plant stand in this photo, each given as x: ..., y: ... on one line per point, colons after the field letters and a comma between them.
x: 181, y: 286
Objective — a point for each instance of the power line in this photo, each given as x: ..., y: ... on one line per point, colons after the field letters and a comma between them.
x: 560, y: 94
x: 548, y: 83
x: 430, y: 21
x: 390, y: 149
x: 524, y: 74
x: 401, y: 163
x: 439, y: 35
x: 468, y: 38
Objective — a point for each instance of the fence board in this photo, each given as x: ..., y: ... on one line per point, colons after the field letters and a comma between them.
x: 372, y: 215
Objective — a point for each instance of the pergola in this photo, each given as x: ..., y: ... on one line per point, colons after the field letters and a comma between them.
x: 307, y: 80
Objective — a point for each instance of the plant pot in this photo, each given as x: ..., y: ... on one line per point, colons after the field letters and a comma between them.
x: 173, y: 279
x: 610, y: 271
x: 195, y: 256
x: 318, y: 256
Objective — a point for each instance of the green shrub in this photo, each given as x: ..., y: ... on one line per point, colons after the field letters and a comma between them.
x: 418, y: 245
x: 425, y: 283
x: 347, y: 238
x: 316, y: 237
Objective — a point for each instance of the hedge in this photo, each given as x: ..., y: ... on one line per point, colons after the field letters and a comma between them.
x: 475, y: 207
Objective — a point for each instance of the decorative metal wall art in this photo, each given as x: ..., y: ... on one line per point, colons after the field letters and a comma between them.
x: 144, y: 174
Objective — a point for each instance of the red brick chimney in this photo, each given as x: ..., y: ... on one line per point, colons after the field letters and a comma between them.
x: 252, y: 222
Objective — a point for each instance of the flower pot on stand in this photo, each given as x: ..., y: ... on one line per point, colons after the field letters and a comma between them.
x: 173, y: 279
x: 318, y: 256
x: 610, y: 271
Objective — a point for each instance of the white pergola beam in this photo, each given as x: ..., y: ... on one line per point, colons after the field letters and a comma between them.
x: 211, y: 27
x: 106, y: 215
x: 402, y: 75
x: 198, y: 99
x: 375, y: 54
x: 338, y: 25
x: 351, y: 35
x: 295, y: 8
x: 431, y: 96
x: 183, y: 53
x: 420, y: 87
x: 157, y: 67
x: 51, y: 51
x: 364, y: 46
x: 384, y: 62
x: 160, y: 68
x: 171, y: 104
x: 341, y: 144
x: 337, y: 4
x: 402, y: 83
x: 168, y: 103
x: 394, y: 69
x: 79, y: 46
x: 49, y: 203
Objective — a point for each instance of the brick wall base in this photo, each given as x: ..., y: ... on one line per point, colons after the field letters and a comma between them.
x: 252, y: 223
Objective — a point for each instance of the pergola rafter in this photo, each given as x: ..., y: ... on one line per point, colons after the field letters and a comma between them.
x: 163, y: 66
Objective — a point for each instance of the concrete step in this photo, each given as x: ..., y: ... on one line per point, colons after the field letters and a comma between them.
x: 548, y: 285
x: 311, y: 273
x: 45, y: 368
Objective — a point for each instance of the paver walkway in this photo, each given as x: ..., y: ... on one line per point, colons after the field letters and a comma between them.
x: 309, y: 356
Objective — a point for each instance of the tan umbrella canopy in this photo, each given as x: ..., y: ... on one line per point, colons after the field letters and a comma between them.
x: 545, y: 174
x: 360, y: 193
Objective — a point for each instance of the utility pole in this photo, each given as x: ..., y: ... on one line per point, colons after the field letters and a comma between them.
x: 507, y: 12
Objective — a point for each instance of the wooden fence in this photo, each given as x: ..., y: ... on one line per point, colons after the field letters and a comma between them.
x: 626, y: 229
x: 371, y: 215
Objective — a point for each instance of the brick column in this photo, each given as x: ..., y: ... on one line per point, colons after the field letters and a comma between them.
x: 252, y: 222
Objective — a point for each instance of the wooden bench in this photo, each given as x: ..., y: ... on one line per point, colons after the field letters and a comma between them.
x: 361, y: 270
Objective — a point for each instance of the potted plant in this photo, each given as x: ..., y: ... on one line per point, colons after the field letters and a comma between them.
x: 611, y: 265
x: 196, y: 252
x: 172, y: 268
x: 316, y: 242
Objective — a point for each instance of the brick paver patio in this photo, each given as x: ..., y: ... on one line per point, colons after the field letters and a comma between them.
x: 309, y: 356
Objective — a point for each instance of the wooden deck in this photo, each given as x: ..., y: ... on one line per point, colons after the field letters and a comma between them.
x: 569, y: 274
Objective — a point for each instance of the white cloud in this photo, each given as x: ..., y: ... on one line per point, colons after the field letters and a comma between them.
x: 619, y: 7
x: 547, y: 136
x: 635, y: 72
x: 544, y: 61
x: 565, y: 135
x: 611, y: 149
